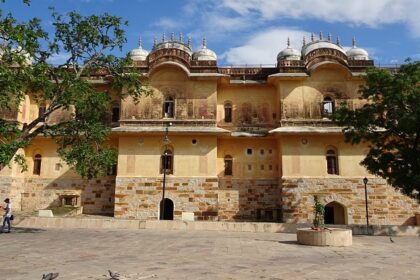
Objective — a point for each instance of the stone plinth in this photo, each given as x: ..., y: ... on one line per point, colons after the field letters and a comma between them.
x: 327, y: 237
x: 45, y: 213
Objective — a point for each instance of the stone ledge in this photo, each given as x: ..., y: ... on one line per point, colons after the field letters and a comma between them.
x: 113, y: 223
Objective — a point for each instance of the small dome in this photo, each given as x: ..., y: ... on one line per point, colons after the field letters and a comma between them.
x: 26, y: 56
x: 356, y: 53
x: 204, y: 53
x: 289, y: 53
x: 139, y: 54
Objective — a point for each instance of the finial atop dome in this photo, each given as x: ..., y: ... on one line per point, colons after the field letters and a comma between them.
x: 312, y: 37
x: 154, y: 42
x: 288, y: 42
x: 203, y: 53
x: 355, y: 53
x: 139, y: 54
x: 320, y: 35
x: 163, y: 37
x: 181, y: 39
x: 189, y: 42
x: 304, y: 41
x: 172, y: 36
x: 329, y: 36
x: 338, y: 41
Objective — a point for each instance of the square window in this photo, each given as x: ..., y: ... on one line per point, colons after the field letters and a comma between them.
x: 249, y: 167
x: 249, y: 151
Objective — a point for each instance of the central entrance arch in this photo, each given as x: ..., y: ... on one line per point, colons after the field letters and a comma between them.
x: 335, y: 214
x: 168, y: 209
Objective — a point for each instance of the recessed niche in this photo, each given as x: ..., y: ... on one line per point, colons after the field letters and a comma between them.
x: 194, y: 141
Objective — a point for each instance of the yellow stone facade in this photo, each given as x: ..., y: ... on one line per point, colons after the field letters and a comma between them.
x: 268, y: 126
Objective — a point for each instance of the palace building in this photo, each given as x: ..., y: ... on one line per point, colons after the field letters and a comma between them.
x: 233, y: 143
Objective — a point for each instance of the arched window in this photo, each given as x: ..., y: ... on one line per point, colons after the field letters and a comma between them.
x: 228, y: 165
x: 37, y: 164
x: 167, y: 162
x: 332, y: 163
x: 228, y: 112
x: 115, y: 112
x: 168, y: 107
x: 327, y: 106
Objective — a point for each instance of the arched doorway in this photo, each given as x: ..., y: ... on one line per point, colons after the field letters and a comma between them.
x: 335, y: 214
x: 168, y: 209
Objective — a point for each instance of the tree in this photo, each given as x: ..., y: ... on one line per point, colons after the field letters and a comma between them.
x: 87, y: 42
x: 390, y: 123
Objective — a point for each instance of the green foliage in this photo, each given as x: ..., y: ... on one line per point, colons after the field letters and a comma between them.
x: 319, y: 211
x: 87, y: 42
x: 390, y: 123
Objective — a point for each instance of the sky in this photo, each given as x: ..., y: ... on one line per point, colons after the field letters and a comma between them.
x: 253, y: 32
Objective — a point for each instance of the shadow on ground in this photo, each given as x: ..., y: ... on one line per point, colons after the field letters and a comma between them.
x: 24, y: 230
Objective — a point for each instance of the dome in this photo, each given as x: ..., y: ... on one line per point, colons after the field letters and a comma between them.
x: 289, y: 53
x: 204, y: 53
x: 139, y: 54
x: 173, y: 44
x: 356, y: 53
x: 27, y: 59
x: 321, y: 44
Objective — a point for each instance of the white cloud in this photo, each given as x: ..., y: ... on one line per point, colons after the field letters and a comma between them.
x: 236, y: 15
x: 264, y: 46
x: 58, y: 58
x: 372, y: 13
x: 166, y: 23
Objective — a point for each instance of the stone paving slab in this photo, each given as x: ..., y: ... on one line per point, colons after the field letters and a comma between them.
x: 86, y: 254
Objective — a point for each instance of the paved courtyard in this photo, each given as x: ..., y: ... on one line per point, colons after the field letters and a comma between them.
x: 148, y: 254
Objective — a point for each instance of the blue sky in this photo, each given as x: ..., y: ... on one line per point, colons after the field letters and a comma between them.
x: 254, y: 31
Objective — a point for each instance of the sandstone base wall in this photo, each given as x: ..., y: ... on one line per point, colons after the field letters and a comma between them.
x: 386, y: 205
x: 11, y: 187
x: 139, y: 198
x: 29, y: 194
x: 241, y: 199
x: 207, y: 197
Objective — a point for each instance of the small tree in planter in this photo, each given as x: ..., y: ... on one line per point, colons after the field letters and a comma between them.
x: 319, y: 211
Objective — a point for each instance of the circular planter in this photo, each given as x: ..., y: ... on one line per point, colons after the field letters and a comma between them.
x: 328, y: 237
